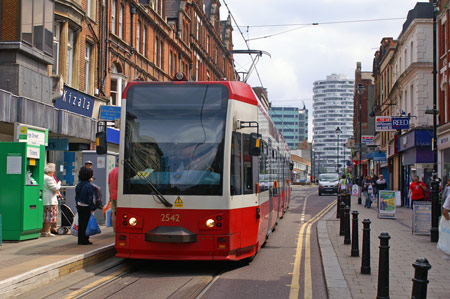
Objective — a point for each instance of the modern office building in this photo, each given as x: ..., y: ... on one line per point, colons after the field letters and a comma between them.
x: 333, y: 108
x: 292, y: 123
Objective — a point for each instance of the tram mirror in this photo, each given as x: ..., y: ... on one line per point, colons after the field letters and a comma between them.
x: 101, y: 145
x: 255, y: 144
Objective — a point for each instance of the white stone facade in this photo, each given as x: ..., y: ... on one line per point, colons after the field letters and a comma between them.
x: 412, y: 78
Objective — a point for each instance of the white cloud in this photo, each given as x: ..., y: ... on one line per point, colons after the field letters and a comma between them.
x: 311, y: 53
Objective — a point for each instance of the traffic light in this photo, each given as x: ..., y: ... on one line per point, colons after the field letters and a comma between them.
x: 101, y: 144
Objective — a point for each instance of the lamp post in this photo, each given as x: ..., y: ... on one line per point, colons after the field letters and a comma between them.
x: 435, y: 209
x: 338, y: 131
x: 360, y: 92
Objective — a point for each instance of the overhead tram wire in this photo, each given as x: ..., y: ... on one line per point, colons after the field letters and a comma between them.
x: 246, y: 42
x: 308, y: 25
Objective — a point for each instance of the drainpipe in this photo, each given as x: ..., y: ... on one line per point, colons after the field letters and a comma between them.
x: 132, y: 12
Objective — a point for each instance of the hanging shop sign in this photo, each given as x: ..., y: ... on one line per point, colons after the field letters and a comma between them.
x: 391, y: 123
x: 367, y: 139
x: 75, y: 101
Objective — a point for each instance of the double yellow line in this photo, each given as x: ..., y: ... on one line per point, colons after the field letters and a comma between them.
x: 295, y: 283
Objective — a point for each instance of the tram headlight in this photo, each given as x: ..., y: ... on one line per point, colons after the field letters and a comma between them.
x: 210, y: 223
x: 132, y: 221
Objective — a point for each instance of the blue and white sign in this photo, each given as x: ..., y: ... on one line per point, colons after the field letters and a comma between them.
x: 391, y: 123
x: 75, y: 101
x: 400, y: 123
x: 109, y: 112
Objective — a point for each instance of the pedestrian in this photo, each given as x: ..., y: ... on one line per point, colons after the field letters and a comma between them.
x: 367, y: 190
x: 380, y: 185
x: 51, y: 189
x: 84, y: 199
x: 416, y: 190
x: 113, y: 180
x: 343, y: 185
x: 446, y: 191
x: 88, y: 164
x: 446, y: 208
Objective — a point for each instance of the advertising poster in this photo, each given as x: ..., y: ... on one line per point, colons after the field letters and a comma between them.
x: 422, y: 218
x: 386, y: 204
x: 355, y: 190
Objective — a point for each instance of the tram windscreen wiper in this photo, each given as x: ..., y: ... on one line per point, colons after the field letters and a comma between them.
x: 158, y: 195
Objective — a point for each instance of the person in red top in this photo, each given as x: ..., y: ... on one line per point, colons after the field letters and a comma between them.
x: 416, y: 190
x: 113, y: 180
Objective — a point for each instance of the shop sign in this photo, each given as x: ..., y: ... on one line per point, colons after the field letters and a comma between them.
x: 367, y: 139
x: 109, y: 112
x: 75, y: 101
x: 391, y: 123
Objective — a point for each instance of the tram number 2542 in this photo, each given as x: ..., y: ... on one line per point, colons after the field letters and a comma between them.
x: 170, y: 217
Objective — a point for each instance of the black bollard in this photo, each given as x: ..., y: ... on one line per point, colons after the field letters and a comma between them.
x: 383, y: 267
x: 347, y: 225
x: 346, y: 198
x: 338, y: 206
x: 365, y: 260
x: 420, y: 280
x: 355, y: 239
x: 341, y: 226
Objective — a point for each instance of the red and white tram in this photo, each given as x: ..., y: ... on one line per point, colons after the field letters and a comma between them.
x: 204, y: 174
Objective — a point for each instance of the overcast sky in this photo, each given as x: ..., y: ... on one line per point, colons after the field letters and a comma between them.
x: 310, y: 52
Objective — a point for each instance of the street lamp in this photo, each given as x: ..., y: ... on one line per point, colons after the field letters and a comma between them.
x: 435, y: 209
x: 338, y: 131
x: 360, y: 92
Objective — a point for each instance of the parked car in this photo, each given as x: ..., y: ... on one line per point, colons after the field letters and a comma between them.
x: 328, y: 183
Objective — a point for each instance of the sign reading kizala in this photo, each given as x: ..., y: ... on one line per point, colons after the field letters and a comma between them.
x: 75, y: 101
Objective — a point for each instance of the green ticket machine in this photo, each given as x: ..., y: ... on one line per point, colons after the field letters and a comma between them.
x: 21, y: 190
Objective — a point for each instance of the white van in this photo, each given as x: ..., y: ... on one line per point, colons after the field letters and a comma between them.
x: 328, y: 183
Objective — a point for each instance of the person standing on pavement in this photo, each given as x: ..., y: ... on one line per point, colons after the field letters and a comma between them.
x: 446, y: 191
x: 51, y: 190
x: 416, y: 191
x: 343, y: 184
x: 84, y: 199
x: 113, y: 180
x: 381, y: 185
x: 446, y: 208
x: 367, y: 189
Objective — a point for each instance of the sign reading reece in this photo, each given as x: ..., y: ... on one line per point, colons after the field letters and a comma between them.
x: 75, y: 101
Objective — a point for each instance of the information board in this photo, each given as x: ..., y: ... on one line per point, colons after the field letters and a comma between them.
x: 422, y: 217
x: 386, y: 204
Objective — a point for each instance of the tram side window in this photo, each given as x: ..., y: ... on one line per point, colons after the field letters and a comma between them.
x: 236, y: 165
x: 263, y: 168
x: 248, y: 174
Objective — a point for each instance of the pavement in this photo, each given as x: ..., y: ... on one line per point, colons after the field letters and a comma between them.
x: 30, y: 264
x: 343, y: 272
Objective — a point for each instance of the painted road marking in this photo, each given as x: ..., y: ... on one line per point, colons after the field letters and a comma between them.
x: 295, y: 282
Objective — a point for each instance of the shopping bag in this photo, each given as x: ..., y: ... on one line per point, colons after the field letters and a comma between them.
x: 444, y: 235
x: 92, y: 227
x: 108, y: 218
x: 74, y: 226
x: 106, y: 207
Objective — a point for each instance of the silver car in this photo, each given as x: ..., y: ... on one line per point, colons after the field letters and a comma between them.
x: 328, y: 183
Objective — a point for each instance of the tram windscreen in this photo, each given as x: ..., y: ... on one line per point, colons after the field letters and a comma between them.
x: 174, y: 139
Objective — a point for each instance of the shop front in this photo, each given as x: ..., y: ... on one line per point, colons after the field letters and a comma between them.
x: 444, y: 152
x: 417, y: 157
